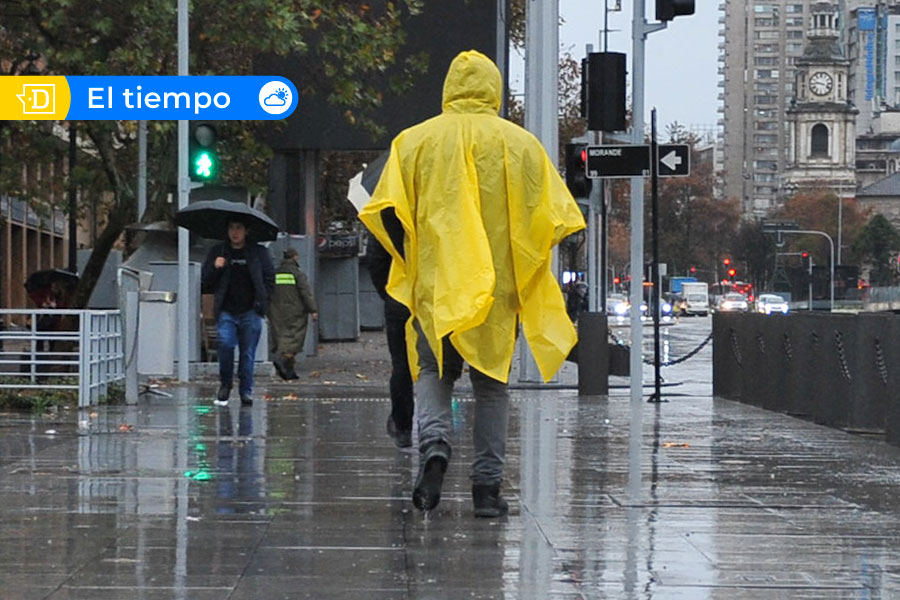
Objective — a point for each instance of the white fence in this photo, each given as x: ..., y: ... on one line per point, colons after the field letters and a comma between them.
x: 63, y: 349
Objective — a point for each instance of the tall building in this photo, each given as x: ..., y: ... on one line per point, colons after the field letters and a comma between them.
x: 761, y: 41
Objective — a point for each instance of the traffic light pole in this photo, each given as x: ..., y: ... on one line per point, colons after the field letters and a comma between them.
x: 654, y: 270
x: 640, y: 29
x: 183, y: 311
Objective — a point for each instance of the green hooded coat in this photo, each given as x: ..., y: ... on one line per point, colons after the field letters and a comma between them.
x: 292, y: 302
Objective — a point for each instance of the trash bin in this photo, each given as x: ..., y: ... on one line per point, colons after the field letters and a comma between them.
x: 156, y: 333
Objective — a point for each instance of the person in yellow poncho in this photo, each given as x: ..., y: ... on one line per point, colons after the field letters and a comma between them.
x: 470, y: 206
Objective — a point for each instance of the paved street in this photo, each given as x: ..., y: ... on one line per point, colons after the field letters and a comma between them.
x: 304, y: 496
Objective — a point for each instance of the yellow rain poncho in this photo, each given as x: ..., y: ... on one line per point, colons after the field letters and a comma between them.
x: 481, y: 207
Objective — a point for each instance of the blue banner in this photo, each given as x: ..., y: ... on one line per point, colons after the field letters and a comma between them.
x: 174, y: 98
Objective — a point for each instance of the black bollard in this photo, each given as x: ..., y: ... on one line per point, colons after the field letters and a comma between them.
x: 593, y: 355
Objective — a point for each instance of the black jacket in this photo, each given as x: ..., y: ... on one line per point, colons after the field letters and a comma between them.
x: 262, y: 272
x: 379, y: 268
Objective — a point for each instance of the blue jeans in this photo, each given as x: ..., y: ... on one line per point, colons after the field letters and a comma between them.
x: 242, y: 331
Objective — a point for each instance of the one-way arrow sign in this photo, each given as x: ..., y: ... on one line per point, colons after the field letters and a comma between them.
x: 674, y: 160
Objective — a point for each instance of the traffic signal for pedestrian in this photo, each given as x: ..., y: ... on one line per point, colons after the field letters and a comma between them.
x: 666, y: 10
x: 576, y: 171
x: 203, y: 163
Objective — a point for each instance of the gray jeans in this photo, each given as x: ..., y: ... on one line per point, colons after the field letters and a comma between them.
x: 433, y: 403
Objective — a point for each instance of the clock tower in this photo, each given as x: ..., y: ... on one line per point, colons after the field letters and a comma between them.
x: 821, y: 121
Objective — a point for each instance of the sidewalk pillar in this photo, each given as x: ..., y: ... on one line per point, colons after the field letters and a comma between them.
x: 593, y: 355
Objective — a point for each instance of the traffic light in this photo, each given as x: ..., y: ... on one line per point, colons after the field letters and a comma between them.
x: 576, y: 174
x: 666, y: 10
x: 203, y: 163
x: 603, y: 91
x: 726, y: 261
x: 731, y: 273
x: 693, y: 270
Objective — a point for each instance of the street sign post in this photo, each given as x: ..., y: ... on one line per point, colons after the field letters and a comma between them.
x: 674, y: 160
x: 633, y: 160
x: 611, y: 161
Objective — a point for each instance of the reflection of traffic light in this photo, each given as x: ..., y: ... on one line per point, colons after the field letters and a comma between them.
x: 576, y: 174
x: 204, y: 160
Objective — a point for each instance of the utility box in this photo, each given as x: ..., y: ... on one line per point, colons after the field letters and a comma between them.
x: 165, y: 279
x: 338, y: 286
x: 156, y: 333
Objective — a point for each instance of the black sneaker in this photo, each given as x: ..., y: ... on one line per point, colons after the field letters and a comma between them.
x: 488, y: 502
x: 432, y: 467
x: 402, y: 438
x: 223, y: 394
x: 246, y: 400
x: 281, y: 368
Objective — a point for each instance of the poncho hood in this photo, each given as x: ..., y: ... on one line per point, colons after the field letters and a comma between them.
x: 472, y: 85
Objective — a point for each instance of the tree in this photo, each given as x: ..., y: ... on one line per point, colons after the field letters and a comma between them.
x: 877, y: 246
x: 755, y: 249
x: 91, y: 37
x: 695, y: 228
x: 817, y: 210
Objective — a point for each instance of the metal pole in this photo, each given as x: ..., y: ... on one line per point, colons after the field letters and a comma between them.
x: 831, y: 248
x: 541, y: 105
x: 73, y: 198
x: 654, y: 288
x: 183, y: 319
x: 840, y: 223
x: 142, y: 169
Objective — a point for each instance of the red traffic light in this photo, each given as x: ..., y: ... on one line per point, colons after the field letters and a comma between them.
x: 726, y: 262
x: 617, y: 280
x: 731, y: 273
x: 804, y: 254
x: 693, y: 269
x: 584, y: 155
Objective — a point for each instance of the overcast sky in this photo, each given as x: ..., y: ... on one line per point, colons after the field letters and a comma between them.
x: 681, y: 61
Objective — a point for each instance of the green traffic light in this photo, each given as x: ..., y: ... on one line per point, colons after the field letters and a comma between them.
x: 203, y: 165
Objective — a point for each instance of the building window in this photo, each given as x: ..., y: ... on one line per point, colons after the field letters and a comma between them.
x: 794, y: 8
x: 897, y: 60
x: 819, y: 141
x: 795, y: 34
x: 762, y: 8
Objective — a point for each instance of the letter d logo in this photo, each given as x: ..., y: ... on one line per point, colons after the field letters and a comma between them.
x: 38, y: 99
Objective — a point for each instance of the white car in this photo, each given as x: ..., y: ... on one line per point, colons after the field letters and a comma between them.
x: 772, y: 303
x: 734, y: 303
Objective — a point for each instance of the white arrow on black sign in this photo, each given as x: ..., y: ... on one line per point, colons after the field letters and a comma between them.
x: 674, y: 160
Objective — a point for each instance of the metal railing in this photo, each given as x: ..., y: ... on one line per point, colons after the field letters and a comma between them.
x: 63, y: 349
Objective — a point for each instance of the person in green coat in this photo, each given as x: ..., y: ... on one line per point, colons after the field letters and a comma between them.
x: 292, y: 303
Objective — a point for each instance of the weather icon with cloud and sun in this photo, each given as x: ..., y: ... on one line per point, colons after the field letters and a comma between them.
x: 275, y: 98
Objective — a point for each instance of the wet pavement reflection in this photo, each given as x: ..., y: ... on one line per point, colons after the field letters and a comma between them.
x: 307, y: 498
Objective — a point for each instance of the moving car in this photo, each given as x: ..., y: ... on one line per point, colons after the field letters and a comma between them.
x: 772, y: 303
x: 734, y: 303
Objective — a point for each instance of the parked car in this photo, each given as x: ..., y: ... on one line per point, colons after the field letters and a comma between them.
x: 733, y: 303
x: 772, y: 303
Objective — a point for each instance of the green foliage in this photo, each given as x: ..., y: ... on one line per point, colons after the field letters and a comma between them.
x: 37, y: 400
x: 354, y: 43
x: 876, y: 245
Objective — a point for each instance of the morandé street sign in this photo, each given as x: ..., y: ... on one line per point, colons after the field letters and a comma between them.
x: 617, y: 161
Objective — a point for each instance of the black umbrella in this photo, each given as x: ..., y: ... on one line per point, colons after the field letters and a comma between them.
x: 40, y: 286
x: 363, y: 184
x: 210, y: 218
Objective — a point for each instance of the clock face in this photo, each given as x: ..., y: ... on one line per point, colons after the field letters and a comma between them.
x: 820, y: 83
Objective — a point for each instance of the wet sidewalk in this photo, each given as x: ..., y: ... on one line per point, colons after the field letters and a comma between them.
x: 304, y: 496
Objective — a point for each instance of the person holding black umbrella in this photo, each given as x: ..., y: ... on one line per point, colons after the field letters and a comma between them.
x: 240, y: 275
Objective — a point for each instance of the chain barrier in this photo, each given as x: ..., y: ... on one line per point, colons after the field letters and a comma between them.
x: 880, y: 362
x: 667, y: 363
x: 788, y: 349
x: 761, y: 343
x: 735, y: 348
x: 842, y: 357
